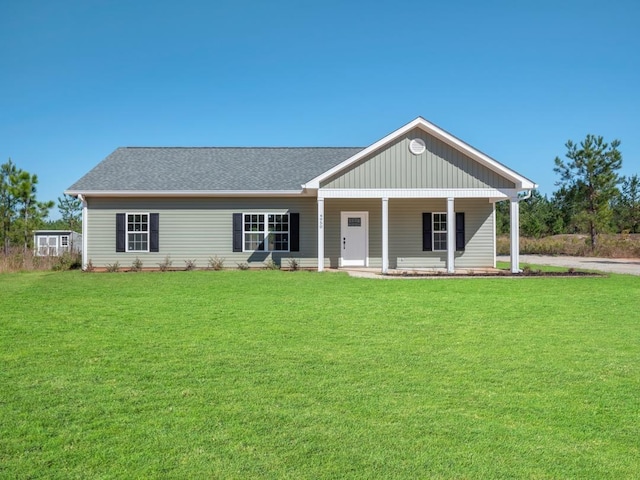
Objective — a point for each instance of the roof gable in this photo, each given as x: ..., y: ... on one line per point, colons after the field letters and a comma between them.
x: 467, y: 150
x: 438, y: 166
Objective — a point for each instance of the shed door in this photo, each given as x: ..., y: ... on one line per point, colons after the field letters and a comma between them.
x: 47, y: 245
x: 354, y: 239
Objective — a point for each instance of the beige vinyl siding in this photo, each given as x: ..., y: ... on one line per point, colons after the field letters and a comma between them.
x: 440, y: 166
x: 196, y: 229
x: 405, y: 233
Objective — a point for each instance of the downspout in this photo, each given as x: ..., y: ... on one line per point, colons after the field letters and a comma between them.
x: 84, y: 230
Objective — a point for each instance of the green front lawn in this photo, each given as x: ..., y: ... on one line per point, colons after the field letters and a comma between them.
x: 269, y: 374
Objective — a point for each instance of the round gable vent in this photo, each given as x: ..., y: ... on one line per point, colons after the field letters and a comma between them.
x: 417, y: 146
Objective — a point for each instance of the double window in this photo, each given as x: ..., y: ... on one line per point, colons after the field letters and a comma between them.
x: 266, y: 232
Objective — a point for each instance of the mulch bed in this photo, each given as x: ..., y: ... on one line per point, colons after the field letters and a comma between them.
x: 525, y: 273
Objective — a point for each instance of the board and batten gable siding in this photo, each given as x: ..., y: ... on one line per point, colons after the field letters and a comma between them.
x: 405, y: 233
x: 439, y: 166
x: 196, y: 229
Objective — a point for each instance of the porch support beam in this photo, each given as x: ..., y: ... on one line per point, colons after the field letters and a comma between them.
x: 385, y: 235
x: 320, y: 234
x: 515, y: 235
x: 451, y: 235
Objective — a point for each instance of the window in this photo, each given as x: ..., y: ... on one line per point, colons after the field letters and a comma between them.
x: 434, y: 232
x: 266, y: 232
x: 64, y: 242
x: 439, y: 231
x: 137, y: 232
x: 254, y: 232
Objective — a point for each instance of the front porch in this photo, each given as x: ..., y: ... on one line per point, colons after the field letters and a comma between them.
x: 407, y: 233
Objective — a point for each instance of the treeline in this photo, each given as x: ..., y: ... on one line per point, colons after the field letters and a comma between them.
x: 541, y: 216
x: 592, y: 197
x: 20, y: 211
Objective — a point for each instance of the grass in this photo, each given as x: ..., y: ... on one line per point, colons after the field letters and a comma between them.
x: 270, y: 374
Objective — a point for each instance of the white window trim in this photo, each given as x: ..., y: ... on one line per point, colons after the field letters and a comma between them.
x: 266, y: 232
x: 126, y: 232
x: 434, y: 231
x: 63, y: 244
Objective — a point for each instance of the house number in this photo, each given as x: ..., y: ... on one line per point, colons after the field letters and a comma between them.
x: 320, y: 221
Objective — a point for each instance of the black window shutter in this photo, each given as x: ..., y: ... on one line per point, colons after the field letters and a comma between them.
x: 460, y: 231
x: 294, y: 232
x: 154, y: 230
x: 237, y: 232
x: 120, y: 232
x: 427, y: 229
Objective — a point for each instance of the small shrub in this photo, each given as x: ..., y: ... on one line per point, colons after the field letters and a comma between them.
x: 243, y: 266
x: 165, y: 264
x: 293, y: 264
x: 67, y: 261
x: 189, y: 264
x: 216, y: 263
x: 136, y: 266
x: 89, y: 267
x: 271, y: 265
x: 527, y: 270
x: 112, y: 268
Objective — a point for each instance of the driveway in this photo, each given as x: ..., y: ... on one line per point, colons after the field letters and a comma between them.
x: 629, y: 266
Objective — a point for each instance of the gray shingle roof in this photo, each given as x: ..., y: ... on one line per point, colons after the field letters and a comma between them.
x: 210, y: 168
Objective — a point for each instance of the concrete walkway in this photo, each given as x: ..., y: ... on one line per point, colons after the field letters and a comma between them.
x: 630, y: 266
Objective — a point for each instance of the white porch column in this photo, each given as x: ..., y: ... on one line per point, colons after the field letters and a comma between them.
x: 515, y: 235
x: 385, y: 235
x: 451, y: 236
x: 85, y: 229
x: 320, y: 234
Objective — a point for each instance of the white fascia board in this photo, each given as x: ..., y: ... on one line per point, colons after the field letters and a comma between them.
x: 187, y: 193
x: 490, y: 193
x: 521, y: 182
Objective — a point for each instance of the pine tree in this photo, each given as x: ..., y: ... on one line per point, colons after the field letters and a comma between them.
x: 590, y: 177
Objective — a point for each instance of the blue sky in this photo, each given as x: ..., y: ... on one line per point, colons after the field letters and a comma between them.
x: 514, y: 79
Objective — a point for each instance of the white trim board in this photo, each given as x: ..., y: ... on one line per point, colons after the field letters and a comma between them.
x: 187, y: 193
x: 417, y: 193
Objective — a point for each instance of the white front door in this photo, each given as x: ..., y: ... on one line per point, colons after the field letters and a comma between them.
x: 354, y: 239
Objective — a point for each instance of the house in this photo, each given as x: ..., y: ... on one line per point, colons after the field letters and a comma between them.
x: 417, y: 198
x: 56, y: 242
